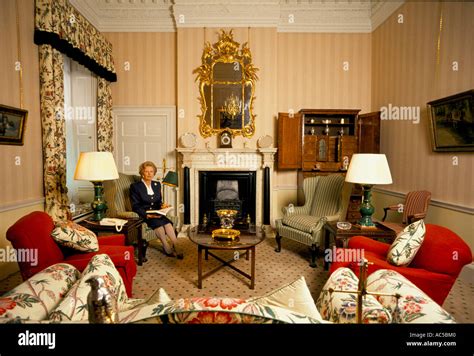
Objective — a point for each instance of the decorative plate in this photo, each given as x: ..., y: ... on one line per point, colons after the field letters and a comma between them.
x: 188, y: 140
x: 265, y: 141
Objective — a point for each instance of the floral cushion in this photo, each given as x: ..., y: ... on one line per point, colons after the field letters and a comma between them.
x: 341, y: 307
x: 36, y: 297
x: 74, y: 305
x: 213, y: 311
x: 407, y: 244
x: 413, y: 306
x: 72, y: 235
x: 294, y: 296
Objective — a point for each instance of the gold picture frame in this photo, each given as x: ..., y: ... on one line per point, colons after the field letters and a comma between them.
x: 12, y: 125
x: 227, y: 87
x: 452, y: 123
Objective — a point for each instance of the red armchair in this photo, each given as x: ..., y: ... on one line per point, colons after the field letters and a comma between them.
x: 435, y: 267
x: 33, y: 231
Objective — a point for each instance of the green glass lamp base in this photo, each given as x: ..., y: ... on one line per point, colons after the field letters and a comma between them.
x: 366, y: 208
x: 98, y: 205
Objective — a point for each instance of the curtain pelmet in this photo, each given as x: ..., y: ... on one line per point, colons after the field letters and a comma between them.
x: 60, y: 25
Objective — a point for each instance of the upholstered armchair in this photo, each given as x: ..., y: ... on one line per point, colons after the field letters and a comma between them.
x: 117, y: 196
x: 434, y: 269
x: 415, y: 208
x: 323, y: 202
x: 33, y: 233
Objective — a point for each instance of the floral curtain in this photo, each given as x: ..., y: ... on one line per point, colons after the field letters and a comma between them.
x: 105, y: 122
x: 60, y: 28
x: 54, y: 138
x: 59, y: 24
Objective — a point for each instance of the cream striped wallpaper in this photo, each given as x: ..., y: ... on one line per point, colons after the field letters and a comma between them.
x: 25, y: 181
x: 146, y: 68
x: 405, y: 73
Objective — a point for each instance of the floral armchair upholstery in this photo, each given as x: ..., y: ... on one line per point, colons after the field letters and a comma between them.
x: 323, y: 202
x: 117, y: 196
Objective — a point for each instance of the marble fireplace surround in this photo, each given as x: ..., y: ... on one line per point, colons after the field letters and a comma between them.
x: 227, y: 159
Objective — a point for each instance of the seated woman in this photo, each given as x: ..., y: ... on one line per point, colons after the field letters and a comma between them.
x: 146, y: 195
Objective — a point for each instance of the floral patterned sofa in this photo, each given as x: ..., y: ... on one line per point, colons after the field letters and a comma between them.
x: 58, y: 294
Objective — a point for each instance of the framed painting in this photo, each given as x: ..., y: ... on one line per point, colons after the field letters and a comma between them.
x: 452, y: 123
x: 12, y: 125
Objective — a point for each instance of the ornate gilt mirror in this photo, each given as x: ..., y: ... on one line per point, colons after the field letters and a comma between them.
x: 227, y: 85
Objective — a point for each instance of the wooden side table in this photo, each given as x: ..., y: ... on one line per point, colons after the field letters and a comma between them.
x: 131, y: 225
x: 342, y: 237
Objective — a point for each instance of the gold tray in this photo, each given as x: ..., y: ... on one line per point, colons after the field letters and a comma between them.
x: 225, y: 234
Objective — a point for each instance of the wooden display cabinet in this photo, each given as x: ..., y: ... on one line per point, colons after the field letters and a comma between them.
x: 322, y: 141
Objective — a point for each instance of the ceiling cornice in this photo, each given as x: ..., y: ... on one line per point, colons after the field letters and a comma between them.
x: 381, y: 10
x: 285, y: 15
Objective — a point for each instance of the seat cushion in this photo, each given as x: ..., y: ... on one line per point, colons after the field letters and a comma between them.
x: 293, y: 296
x: 40, y: 294
x: 73, y: 307
x: 305, y: 223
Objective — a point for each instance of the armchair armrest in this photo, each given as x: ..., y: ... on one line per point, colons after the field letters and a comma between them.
x: 362, y: 242
x: 391, y: 207
x: 114, y: 240
x: 415, y: 217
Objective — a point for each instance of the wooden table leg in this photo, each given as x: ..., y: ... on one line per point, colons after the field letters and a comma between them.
x: 252, y: 273
x: 200, y: 266
x: 206, y: 254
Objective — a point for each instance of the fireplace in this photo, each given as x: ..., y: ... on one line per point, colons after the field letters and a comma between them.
x: 251, y: 168
x: 227, y: 190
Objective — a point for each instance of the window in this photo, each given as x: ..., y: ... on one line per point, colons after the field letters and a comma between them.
x: 80, y: 108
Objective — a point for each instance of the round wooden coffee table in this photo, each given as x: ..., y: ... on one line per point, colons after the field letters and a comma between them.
x: 246, y: 242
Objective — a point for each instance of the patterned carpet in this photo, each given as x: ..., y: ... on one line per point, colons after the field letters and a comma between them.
x: 179, y: 277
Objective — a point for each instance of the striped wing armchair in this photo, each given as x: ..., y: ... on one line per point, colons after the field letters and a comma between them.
x: 117, y: 196
x: 323, y: 202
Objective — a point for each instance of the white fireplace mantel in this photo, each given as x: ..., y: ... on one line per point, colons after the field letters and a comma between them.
x: 225, y: 159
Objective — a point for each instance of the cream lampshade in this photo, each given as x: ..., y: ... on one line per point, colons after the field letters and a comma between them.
x: 368, y: 169
x: 96, y: 167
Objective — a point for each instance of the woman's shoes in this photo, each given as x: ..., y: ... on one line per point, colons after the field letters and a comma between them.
x: 172, y: 254
x: 179, y: 256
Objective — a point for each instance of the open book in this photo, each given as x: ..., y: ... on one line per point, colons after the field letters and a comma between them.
x: 163, y: 211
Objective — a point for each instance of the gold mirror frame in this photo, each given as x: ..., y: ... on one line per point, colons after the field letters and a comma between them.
x: 226, y: 50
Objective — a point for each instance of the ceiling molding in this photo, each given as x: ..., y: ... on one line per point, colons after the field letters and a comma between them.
x: 285, y: 15
x: 382, y: 10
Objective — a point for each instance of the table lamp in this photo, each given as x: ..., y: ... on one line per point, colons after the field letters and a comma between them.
x: 368, y: 169
x: 171, y: 180
x: 96, y: 167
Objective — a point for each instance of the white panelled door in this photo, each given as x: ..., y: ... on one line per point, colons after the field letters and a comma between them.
x: 146, y: 134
